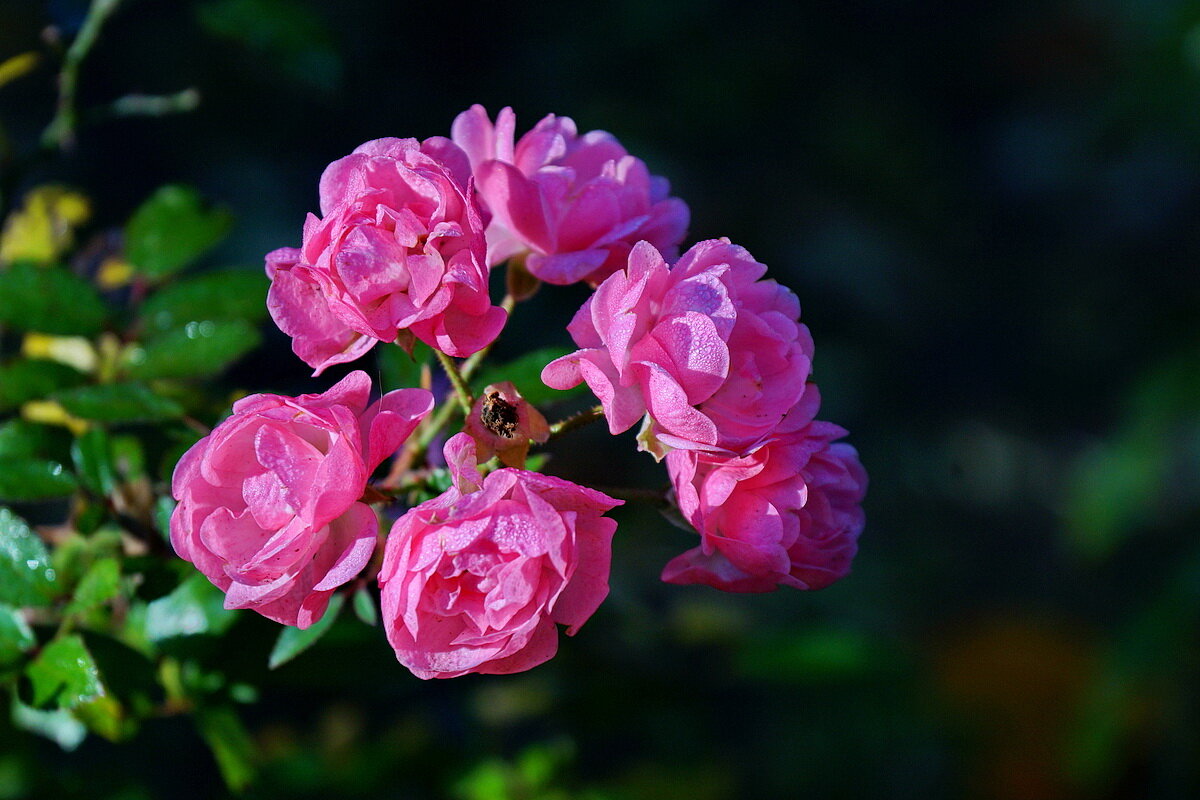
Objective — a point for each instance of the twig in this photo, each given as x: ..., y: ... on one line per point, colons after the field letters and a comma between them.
x: 465, y: 398
x: 60, y: 133
x: 579, y: 420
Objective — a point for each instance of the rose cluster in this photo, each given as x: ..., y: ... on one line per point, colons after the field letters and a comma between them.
x: 277, y: 507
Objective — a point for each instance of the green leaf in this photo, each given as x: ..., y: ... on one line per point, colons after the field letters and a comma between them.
x: 224, y: 295
x: 101, y: 583
x: 197, y: 350
x: 171, y: 230
x: 26, y: 578
x: 293, y: 641
x: 230, y: 743
x: 164, y: 507
x: 58, y: 726
x: 92, y: 456
x: 16, y: 636
x: 196, y: 607
x: 22, y: 439
x: 364, y: 606
x: 65, y: 674
x: 33, y: 379
x: 118, y: 402
x: 397, y: 370
x: 26, y: 480
x: 525, y: 373
x: 50, y: 300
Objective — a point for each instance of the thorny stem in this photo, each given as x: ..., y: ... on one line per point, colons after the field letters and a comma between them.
x: 579, y: 420
x: 61, y: 131
x: 465, y: 399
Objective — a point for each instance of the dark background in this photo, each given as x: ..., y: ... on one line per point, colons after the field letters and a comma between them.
x: 988, y: 211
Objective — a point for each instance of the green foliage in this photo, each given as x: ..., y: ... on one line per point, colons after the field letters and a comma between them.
x: 92, y: 456
x: 26, y: 577
x: 365, y: 607
x: 222, y: 295
x: 29, y: 479
x: 22, y: 439
x: 64, y: 674
x: 56, y: 725
x: 171, y: 230
x: 230, y: 744
x: 101, y: 583
x: 197, y: 350
x: 293, y: 641
x: 31, y: 379
x: 399, y: 370
x: 195, y: 607
x: 50, y: 300
x: 118, y: 402
x: 16, y: 637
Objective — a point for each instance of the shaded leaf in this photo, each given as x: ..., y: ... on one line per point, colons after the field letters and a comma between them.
x: 118, y: 402
x: 197, y: 350
x: 49, y: 300
x: 16, y: 636
x: 23, y: 439
x: 293, y: 641
x: 92, y: 456
x: 29, y: 480
x: 101, y: 583
x: 31, y: 379
x: 26, y: 578
x: 231, y: 745
x: 399, y: 370
x: 171, y: 230
x: 364, y: 606
x: 223, y: 295
x: 65, y: 674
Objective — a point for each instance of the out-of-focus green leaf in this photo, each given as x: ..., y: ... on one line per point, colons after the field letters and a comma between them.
x: 49, y: 300
x: 163, y: 508
x: 284, y: 35
x: 196, y: 607
x: 397, y: 370
x: 30, y: 480
x: 101, y: 583
x: 118, y: 402
x: 58, y: 726
x: 171, y: 230
x: 92, y: 455
x: 293, y: 641
x: 230, y: 743
x: 128, y: 457
x: 65, y: 674
x: 26, y: 578
x: 815, y: 655
x: 22, y: 439
x: 104, y: 716
x: 32, y: 379
x: 16, y: 636
x: 224, y: 295
x: 525, y: 373
x: 364, y: 606
x: 197, y: 350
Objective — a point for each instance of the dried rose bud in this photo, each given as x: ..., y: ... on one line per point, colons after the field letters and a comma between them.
x: 502, y: 423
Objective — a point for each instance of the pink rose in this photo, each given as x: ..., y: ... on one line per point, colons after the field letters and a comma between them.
x: 268, y: 502
x: 788, y: 514
x: 576, y: 204
x: 400, y: 247
x: 714, y: 355
x: 476, y: 580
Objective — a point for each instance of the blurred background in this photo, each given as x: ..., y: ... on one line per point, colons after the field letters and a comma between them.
x: 989, y: 212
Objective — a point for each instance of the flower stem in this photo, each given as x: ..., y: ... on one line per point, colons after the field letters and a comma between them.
x: 465, y: 398
x: 60, y: 133
x: 579, y: 420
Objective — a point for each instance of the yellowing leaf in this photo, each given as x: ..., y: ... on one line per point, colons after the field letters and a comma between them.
x: 50, y: 412
x: 114, y: 273
x: 18, y: 65
x: 43, y: 228
x: 74, y: 351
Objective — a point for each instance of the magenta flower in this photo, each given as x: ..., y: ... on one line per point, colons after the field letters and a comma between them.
x: 268, y: 502
x: 400, y: 247
x: 476, y: 580
x: 714, y: 355
x: 576, y: 204
x: 787, y: 514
